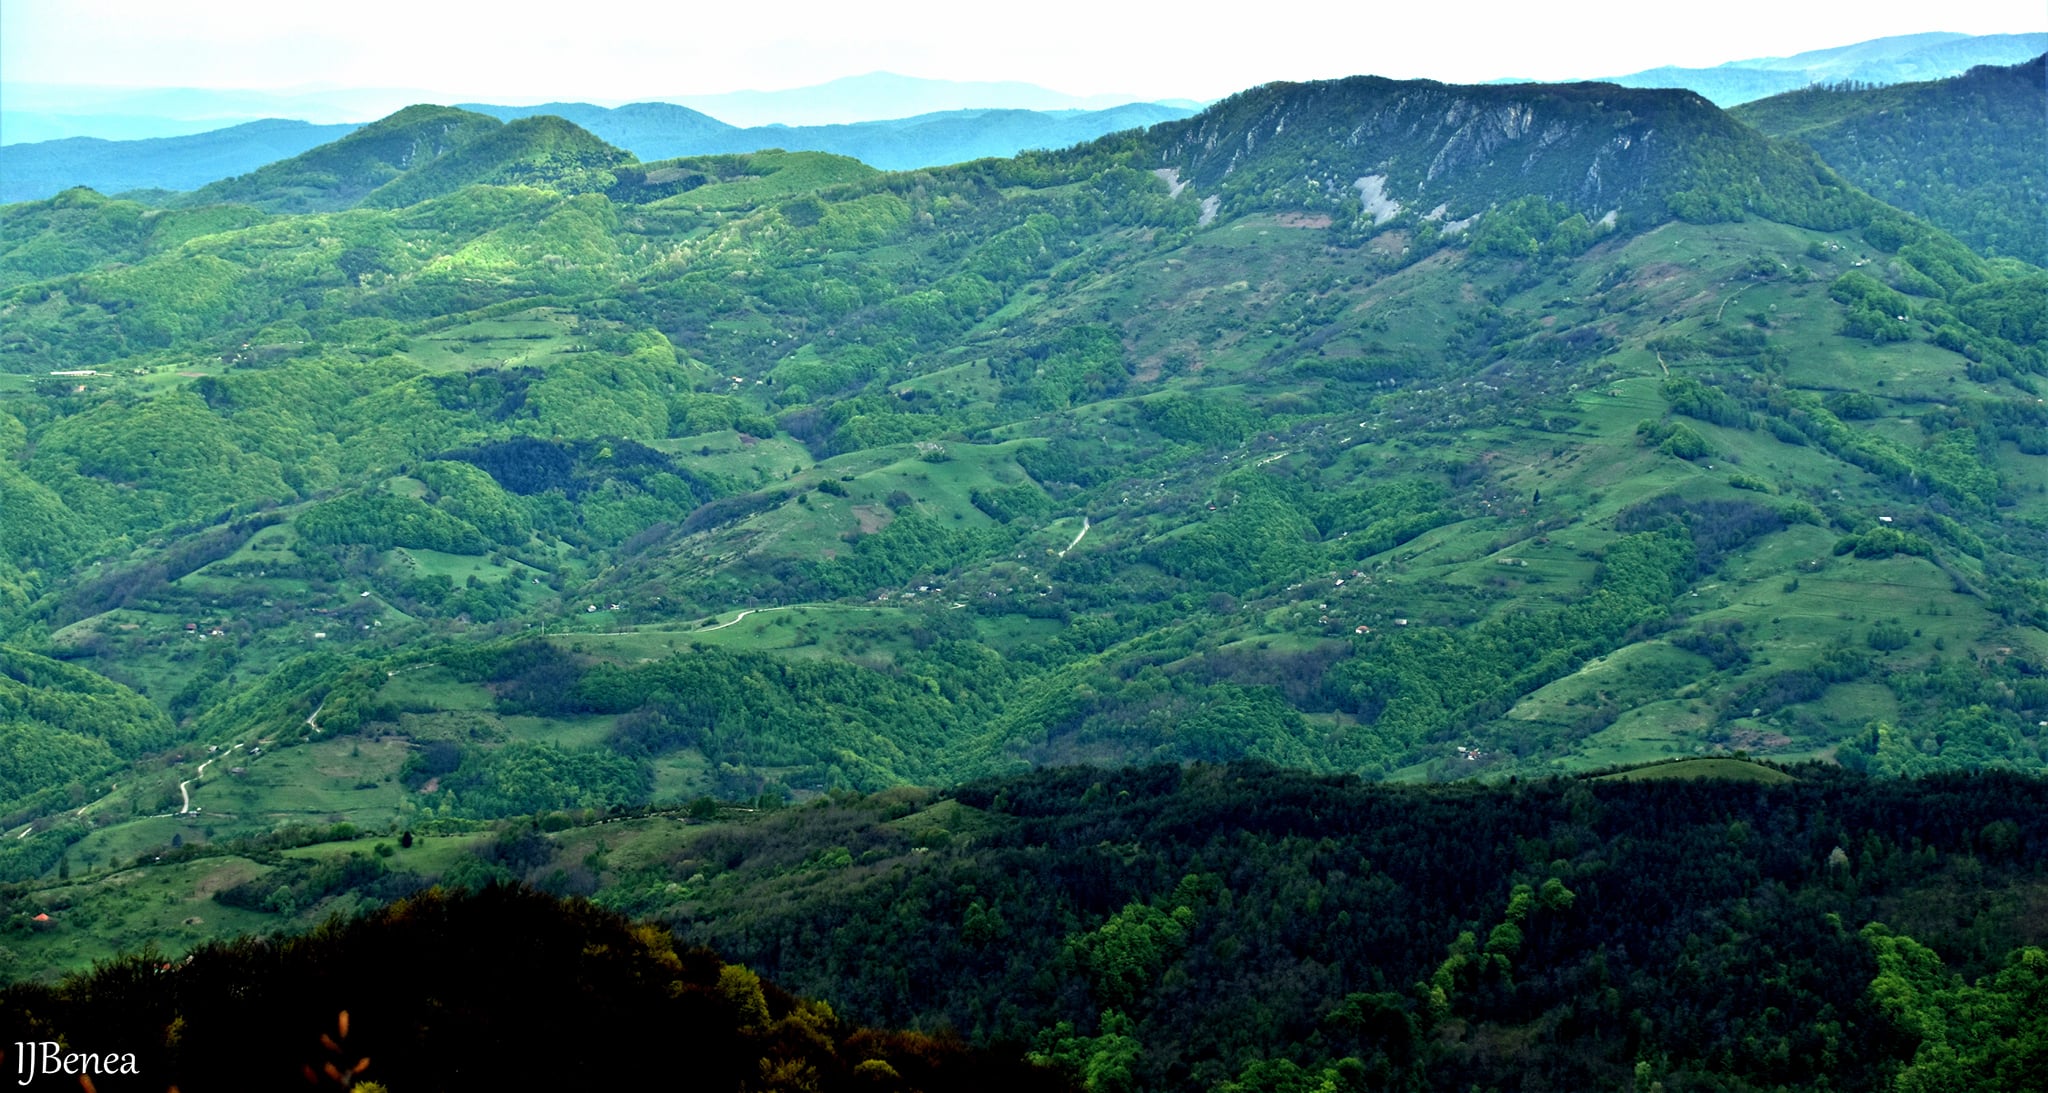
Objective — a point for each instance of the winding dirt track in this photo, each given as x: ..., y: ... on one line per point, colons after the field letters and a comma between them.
x: 1077, y: 538
x: 185, y: 787
x: 736, y: 618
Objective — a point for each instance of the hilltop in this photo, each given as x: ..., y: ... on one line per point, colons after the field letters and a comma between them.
x: 339, y: 174
x: 1964, y: 152
x: 417, y: 153
x: 1448, y: 152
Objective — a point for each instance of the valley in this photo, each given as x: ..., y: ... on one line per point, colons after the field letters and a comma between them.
x: 1460, y: 497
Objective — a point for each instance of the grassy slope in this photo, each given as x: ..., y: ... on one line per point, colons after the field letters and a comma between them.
x: 1360, y: 368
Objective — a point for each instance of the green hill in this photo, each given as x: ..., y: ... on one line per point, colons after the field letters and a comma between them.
x: 340, y: 174
x: 1376, y: 147
x: 1966, y: 152
x: 64, y: 730
x: 421, y: 153
x: 79, y: 229
x: 1338, y: 427
x: 543, y: 151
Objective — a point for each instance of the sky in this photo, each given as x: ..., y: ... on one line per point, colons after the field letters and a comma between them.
x: 522, y: 51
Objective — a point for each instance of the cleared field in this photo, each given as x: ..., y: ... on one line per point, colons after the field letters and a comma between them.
x: 753, y: 461
x: 323, y: 781
x: 745, y: 181
x: 1732, y: 769
x: 815, y: 629
x: 100, y: 916
x: 528, y: 338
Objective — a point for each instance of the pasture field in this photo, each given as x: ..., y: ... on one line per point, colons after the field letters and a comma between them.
x: 110, y: 912
x: 813, y: 630
x: 754, y: 461
x: 1733, y: 769
x: 524, y: 339
x: 750, y: 180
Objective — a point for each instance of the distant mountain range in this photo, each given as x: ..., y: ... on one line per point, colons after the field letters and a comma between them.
x: 33, y: 112
x: 651, y: 131
x: 888, y: 95
x: 30, y: 171
x: 932, y: 122
x: 1902, y: 59
x: 664, y: 130
x: 41, y: 112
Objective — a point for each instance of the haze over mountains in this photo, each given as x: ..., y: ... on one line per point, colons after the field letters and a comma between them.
x: 31, y: 112
x: 889, y: 95
x: 661, y: 130
x: 888, y: 121
x: 1901, y: 59
x: 29, y: 171
x: 39, y: 112
x: 651, y: 131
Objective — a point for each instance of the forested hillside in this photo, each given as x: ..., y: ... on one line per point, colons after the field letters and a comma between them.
x: 1245, y: 928
x: 461, y: 477
x: 1702, y: 924
x: 1966, y: 153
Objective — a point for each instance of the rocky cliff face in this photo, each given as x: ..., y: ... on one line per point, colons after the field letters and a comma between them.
x: 1595, y: 147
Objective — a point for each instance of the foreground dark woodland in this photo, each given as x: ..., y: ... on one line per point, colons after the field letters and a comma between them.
x: 466, y: 502
x: 1233, y: 927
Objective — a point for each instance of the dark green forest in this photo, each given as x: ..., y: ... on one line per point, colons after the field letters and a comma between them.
x: 1965, y: 153
x: 1701, y: 925
x: 493, y: 989
x: 1262, y: 929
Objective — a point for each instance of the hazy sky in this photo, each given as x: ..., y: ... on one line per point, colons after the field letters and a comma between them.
x: 522, y: 51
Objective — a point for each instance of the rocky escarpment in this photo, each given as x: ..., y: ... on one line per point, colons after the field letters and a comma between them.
x: 1372, y: 147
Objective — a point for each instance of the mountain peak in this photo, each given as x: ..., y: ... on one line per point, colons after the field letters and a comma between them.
x: 420, y: 152
x: 1595, y: 148
x: 338, y: 174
